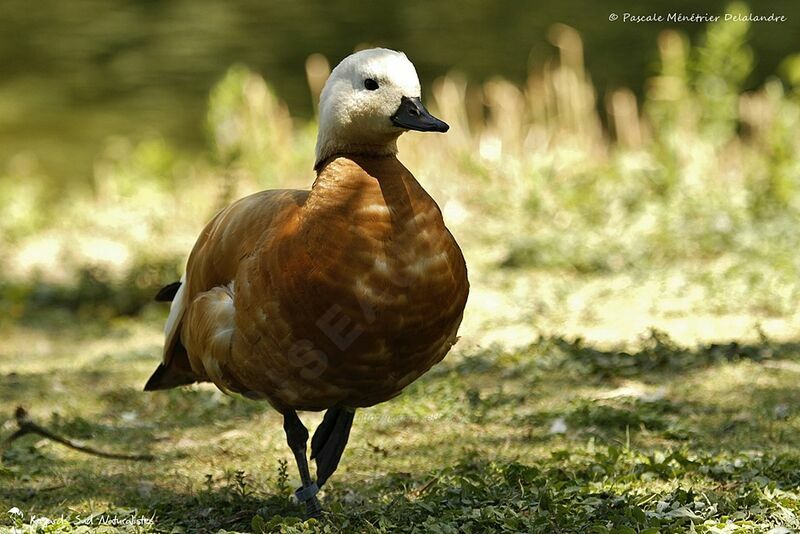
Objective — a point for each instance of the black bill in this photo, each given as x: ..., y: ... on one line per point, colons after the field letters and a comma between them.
x: 412, y: 115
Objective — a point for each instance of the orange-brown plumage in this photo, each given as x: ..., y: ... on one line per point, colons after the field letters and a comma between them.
x: 366, y: 246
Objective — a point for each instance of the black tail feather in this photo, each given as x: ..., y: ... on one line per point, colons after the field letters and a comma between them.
x: 166, y: 378
x: 329, y: 441
x: 167, y: 293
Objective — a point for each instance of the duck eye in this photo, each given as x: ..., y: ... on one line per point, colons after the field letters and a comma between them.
x: 370, y: 84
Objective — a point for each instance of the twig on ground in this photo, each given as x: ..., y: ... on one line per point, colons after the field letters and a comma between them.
x: 28, y: 426
x: 426, y: 487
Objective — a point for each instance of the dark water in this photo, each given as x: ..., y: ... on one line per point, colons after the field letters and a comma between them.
x: 73, y: 72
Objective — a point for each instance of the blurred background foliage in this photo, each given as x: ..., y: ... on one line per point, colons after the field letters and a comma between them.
x: 589, y: 148
x: 74, y: 73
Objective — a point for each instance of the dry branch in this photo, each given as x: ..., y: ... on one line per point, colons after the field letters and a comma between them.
x: 27, y: 426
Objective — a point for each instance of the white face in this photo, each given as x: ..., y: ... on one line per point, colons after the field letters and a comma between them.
x: 353, y: 110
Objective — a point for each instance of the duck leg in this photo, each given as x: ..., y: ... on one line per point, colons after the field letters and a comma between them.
x: 296, y: 437
x: 329, y: 441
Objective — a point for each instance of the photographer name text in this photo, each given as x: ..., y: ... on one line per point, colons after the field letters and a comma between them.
x: 696, y: 17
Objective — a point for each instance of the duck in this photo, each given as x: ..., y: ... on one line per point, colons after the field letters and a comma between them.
x: 330, y: 299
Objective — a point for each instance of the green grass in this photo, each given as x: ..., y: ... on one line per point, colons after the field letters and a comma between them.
x: 564, y: 435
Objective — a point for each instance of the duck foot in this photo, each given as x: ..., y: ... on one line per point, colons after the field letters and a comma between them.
x: 308, y: 495
x: 297, y: 437
x: 330, y: 440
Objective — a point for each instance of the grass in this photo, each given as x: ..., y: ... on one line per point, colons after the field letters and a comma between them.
x: 628, y: 360
x: 559, y: 436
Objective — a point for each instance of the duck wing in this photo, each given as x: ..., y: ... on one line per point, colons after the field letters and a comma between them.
x: 232, y: 235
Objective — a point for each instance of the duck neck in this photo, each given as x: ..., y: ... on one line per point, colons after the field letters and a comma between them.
x: 361, y: 174
x: 365, y: 190
x: 330, y: 143
x: 366, y: 207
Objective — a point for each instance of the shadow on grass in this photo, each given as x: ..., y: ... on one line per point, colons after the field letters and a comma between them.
x: 223, y: 504
x: 572, y: 490
x: 656, y: 355
x: 488, y: 386
x: 519, y: 388
x: 95, y: 292
x: 678, y: 439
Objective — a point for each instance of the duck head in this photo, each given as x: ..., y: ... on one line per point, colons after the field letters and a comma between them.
x: 369, y: 100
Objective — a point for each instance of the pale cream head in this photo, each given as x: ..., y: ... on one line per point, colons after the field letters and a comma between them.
x: 360, y: 100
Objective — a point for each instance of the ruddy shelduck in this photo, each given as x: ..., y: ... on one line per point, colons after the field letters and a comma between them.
x: 331, y: 299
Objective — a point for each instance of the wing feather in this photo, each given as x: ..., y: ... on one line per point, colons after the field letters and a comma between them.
x: 232, y: 235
